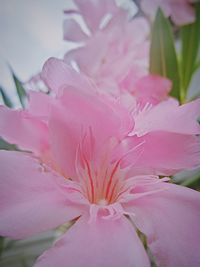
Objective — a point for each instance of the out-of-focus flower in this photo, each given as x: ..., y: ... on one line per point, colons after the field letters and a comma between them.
x: 36, y: 83
x: 181, y: 11
x: 86, y: 149
x: 114, y: 50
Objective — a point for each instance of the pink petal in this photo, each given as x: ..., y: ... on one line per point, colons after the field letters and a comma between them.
x: 162, y: 153
x: 31, y: 198
x: 89, y: 58
x: 170, y: 219
x: 140, y: 27
x: 150, y: 7
x: 168, y: 116
x: 73, y: 31
x: 152, y: 89
x: 182, y: 12
x: 103, y: 243
x: 68, y: 125
x: 57, y: 74
x: 93, y: 11
x: 40, y: 104
x: 21, y: 128
x: 134, y: 74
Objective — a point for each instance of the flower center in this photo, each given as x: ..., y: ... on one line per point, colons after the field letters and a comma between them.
x: 101, y: 187
x: 102, y: 202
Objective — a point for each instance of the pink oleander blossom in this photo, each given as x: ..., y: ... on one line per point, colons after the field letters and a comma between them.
x: 181, y: 11
x: 85, y: 150
x: 112, y: 61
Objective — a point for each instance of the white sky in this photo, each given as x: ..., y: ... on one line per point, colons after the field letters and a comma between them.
x: 30, y: 33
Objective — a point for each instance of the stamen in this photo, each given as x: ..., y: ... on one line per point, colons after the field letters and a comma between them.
x: 111, y: 178
x: 90, y: 179
x: 113, y: 190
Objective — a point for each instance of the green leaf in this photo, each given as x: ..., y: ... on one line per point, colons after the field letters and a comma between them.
x: 20, y: 89
x: 6, y: 146
x: 194, y: 182
x: 5, y: 98
x: 163, y: 59
x: 190, y: 41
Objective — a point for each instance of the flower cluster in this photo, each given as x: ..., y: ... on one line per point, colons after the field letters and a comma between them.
x: 99, y: 150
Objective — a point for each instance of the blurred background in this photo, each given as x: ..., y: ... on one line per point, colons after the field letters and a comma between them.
x: 30, y: 33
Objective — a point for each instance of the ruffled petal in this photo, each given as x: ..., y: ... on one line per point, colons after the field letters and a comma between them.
x: 152, y: 89
x: 32, y: 198
x: 103, y: 243
x: 161, y: 153
x: 169, y: 116
x: 170, y: 219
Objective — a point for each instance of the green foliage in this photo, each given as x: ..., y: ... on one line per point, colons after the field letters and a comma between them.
x: 20, y: 89
x: 163, y: 59
x: 190, y: 41
x: 6, y: 146
x: 23, y: 253
x: 194, y: 182
x: 7, y: 101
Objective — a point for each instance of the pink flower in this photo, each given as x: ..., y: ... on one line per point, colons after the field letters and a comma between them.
x: 112, y: 61
x: 160, y: 124
x: 180, y: 11
x: 86, y: 150
x: 35, y: 83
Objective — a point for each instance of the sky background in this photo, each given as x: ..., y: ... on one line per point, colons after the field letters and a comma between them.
x: 30, y: 33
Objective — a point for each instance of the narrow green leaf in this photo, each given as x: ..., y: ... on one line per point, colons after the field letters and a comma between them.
x: 20, y: 89
x: 163, y: 59
x: 7, y: 101
x: 6, y: 146
x: 190, y: 41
